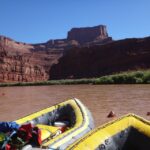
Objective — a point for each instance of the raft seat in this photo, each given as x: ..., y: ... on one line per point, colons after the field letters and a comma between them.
x: 47, y: 131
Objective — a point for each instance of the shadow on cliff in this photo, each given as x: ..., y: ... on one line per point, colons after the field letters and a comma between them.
x: 96, y: 61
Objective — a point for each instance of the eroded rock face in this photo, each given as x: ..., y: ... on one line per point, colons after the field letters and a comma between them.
x: 21, y: 62
x: 17, y: 69
x: 96, y: 61
x: 97, y: 34
x: 10, y: 45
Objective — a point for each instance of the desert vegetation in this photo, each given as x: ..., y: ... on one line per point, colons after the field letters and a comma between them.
x: 134, y: 77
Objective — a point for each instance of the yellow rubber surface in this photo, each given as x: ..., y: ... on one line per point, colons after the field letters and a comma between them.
x: 97, y: 137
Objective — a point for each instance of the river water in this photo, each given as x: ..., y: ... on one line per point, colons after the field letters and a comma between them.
x: 16, y: 102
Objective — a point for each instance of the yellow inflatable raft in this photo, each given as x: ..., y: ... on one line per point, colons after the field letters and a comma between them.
x: 72, y: 116
x: 130, y: 132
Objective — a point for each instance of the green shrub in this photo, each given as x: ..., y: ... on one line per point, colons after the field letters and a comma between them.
x: 138, y: 74
x: 136, y: 77
x: 146, y: 78
x: 104, y: 80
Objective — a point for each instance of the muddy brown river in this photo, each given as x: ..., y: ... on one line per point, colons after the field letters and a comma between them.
x: 16, y: 102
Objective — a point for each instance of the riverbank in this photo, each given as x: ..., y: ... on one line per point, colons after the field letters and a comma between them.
x: 135, y: 77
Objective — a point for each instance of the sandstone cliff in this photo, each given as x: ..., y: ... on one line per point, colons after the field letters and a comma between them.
x: 96, y: 61
x: 21, y: 62
x: 86, y: 52
x: 89, y: 35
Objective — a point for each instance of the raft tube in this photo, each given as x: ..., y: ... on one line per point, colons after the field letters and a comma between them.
x: 78, y: 117
x: 130, y: 132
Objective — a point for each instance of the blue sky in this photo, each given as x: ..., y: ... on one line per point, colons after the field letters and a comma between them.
x: 35, y: 21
